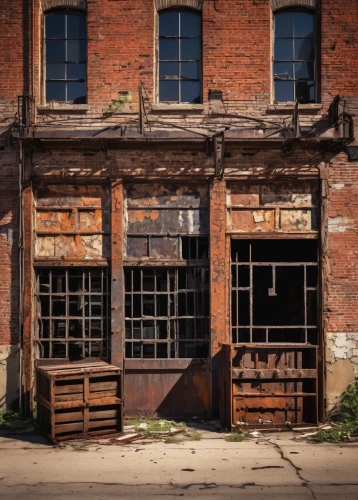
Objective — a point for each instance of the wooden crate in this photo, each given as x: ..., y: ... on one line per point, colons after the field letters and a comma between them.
x: 268, y: 385
x: 79, y: 400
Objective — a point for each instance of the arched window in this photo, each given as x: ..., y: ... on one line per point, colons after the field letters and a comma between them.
x: 180, y: 56
x: 295, y: 56
x: 66, y: 56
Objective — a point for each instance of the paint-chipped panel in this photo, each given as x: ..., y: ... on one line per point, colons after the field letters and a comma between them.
x: 167, y: 221
x: 72, y: 222
x: 292, y: 193
x: 298, y: 220
x: 244, y: 195
x: 73, y: 196
x: 45, y: 247
x: 74, y: 247
x: 168, y: 195
x: 272, y: 207
x: 252, y: 220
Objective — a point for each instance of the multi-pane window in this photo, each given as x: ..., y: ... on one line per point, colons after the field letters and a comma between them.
x: 66, y: 56
x: 294, y: 57
x: 180, y: 56
x: 274, y: 291
x: 167, y: 312
x: 72, y: 313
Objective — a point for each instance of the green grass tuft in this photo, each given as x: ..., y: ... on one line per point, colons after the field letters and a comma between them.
x: 235, y: 437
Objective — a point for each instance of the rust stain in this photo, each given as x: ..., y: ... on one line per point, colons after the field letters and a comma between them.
x: 142, y: 215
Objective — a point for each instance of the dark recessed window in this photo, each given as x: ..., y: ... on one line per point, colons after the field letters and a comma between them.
x: 294, y: 57
x: 66, y: 56
x: 180, y: 56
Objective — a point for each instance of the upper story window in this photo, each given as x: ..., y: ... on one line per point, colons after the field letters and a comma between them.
x: 180, y: 56
x: 295, y: 57
x: 66, y: 56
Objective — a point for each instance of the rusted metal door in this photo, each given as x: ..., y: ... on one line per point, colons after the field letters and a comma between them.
x: 270, y: 371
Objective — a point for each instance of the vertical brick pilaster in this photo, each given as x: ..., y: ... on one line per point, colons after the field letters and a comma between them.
x: 117, y: 284
x: 219, y: 314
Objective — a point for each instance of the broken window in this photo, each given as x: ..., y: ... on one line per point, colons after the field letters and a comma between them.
x: 294, y: 57
x: 166, y: 271
x: 167, y: 312
x: 274, y: 291
x: 66, y: 56
x: 72, y: 313
x: 180, y: 56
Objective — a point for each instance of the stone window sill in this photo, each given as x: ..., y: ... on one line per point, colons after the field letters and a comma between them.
x: 177, y: 107
x: 59, y: 106
x: 289, y: 106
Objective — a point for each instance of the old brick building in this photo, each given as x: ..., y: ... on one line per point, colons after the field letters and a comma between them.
x: 178, y: 196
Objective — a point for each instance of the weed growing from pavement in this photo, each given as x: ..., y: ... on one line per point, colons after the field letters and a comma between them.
x: 193, y: 435
x: 344, y: 419
x: 235, y: 437
x: 172, y: 440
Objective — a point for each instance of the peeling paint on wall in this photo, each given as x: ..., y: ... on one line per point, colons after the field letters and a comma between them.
x: 342, y: 364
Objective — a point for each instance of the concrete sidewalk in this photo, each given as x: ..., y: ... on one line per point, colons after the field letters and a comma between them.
x: 270, y: 467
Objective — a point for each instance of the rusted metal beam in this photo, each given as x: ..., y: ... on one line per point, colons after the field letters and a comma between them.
x: 28, y: 302
x: 117, y: 281
x: 218, y: 275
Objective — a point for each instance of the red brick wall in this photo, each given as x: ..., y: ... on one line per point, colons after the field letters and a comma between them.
x: 13, y: 55
x: 9, y: 202
x: 236, y: 49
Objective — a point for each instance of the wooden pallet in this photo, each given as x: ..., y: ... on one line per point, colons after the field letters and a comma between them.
x: 79, y: 400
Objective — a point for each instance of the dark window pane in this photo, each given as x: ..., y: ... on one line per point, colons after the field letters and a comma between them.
x: 76, y: 71
x: 304, y: 49
x: 169, y: 69
x: 284, y: 91
x: 283, y: 70
x: 55, y: 91
x: 190, y: 24
x: 169, y: 24
x: 284, y: 24
x: 55, y: 25
x: 56, y: 71
x: 190, y: 49
x: 76, y: 50
x: 169, y: 91
x: 284, y: 50
x: 169, y: 49
x: 76, y: 25
x: 305, y: 91
x: 55, y: 50
x: 303, y: 24
x: 190, y: 92
x: 190, y: 70
x: 304, y: 70
x: 76, y: 92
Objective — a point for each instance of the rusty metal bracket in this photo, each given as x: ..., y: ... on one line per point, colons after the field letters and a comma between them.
x: 219, y: 154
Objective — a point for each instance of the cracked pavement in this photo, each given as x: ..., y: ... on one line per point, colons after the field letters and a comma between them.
x: 270, y: 467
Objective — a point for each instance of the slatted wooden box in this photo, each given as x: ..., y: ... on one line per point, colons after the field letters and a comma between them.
x: 79, y: 400
x: 268, y: 385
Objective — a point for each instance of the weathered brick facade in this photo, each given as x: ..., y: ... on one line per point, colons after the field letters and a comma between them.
x: 258, y: 161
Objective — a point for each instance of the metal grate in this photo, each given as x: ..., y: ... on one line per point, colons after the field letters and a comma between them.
x: 274, y: 297
x: 167, y: 312
x: 72, y: 313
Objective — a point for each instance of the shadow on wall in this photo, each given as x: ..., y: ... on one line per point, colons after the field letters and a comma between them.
x: 9, y: 375
x: 164, y: 391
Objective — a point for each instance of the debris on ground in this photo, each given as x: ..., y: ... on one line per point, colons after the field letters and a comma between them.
x: 343, y: 419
